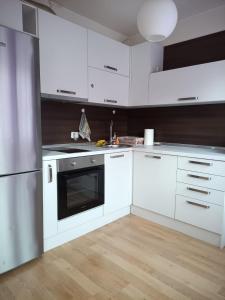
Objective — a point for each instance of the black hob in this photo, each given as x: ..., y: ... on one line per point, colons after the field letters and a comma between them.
x: 67, y: 150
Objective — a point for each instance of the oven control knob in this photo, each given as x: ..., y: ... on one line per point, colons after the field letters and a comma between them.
x: 93, y: 161
x: 73, y: 164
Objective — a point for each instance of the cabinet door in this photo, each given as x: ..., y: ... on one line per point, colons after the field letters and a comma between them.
x: 107, y: 54
x: 200, y: 83
x: 63, y: 57
x: 11, y: 14
x: 154, y: 182
x: 50, y: 198
x: 118, y: 181
x: 145, y: 59
x: 108, y: 88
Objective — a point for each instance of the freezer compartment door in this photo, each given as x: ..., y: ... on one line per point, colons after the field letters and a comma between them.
x: 20, y: 142
x: 21, y: 221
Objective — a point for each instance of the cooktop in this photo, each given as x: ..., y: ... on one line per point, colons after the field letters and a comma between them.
x: 67, y: 150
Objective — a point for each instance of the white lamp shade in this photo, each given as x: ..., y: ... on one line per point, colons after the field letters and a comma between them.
x: 157, y: 19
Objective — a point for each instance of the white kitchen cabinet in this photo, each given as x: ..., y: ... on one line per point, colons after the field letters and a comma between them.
x: 190, y: 85
x: 145, y: 59
x: 50, y: 198
x: 11, y: 14
x: 63, y: 57
x: 118, y: 181
x: 107, y: 54
x: 154, y: 182
x: 107, y: 88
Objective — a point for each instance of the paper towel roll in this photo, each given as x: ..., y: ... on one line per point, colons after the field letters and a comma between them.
x: 149, y: 137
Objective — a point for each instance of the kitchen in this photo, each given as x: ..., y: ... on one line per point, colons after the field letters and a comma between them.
x: 97, y: 214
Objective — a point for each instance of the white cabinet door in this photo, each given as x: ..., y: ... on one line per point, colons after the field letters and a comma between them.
x: 154, y: 182
x: 118, y: 181
x: 50, y: 198
x: 107, y: 54
x: 63, y: 57
x: 145, y: 59
x: 200, y: 83
x: 11, y: 14
x: 107, y: 88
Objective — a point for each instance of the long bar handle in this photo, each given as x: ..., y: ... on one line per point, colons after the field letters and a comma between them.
x: 50, y: 177
x: 199, y: 177
x: 117, y: 156
x: 66, y: 92
x: 153, y: 156
x: 200, y: 163
x: 198, y: 204
x: 198, y: 191
x: 187, y: 98
x: 110, y: 101
x: 111, y: 68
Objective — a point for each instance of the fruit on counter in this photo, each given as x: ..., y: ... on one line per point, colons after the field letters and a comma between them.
x: 101, y: 143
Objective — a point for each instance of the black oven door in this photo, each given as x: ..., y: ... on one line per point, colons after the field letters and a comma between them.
x: 80, y: 190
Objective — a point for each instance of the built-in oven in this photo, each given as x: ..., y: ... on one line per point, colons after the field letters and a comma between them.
x: 80, y: 184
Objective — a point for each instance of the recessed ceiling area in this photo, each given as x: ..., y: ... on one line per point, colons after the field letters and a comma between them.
x: 120, y: 15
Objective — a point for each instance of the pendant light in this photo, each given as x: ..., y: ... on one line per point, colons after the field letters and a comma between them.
x: 157, y: 19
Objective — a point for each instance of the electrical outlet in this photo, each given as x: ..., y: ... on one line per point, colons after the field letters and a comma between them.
x: 74, y: 135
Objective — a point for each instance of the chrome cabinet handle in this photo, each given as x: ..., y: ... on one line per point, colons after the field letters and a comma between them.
x: 197, y: 204
x: 110, y: 101
x: 2, y: 44
x: 153, y: 156
x: 200, y: 163
x: 198, y: 191
x: 50, y: 174
x: 199, y: 177
x: 66, y: 92
x: 187, y: 98
x: 117, y: 156
x: 110, y: 68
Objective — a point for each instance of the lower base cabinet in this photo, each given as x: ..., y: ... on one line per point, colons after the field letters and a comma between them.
x: 154, y: 182
x: 118, y: 181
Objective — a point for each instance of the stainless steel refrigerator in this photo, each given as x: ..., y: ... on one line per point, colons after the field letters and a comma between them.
x: 21, y: 229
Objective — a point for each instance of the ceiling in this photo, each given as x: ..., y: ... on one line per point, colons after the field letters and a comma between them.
x: 120, y: 15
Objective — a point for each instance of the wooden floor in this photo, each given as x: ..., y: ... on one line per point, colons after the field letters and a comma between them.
x: 128, y: 259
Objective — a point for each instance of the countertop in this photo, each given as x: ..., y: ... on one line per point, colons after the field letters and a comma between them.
x: 169, y: 149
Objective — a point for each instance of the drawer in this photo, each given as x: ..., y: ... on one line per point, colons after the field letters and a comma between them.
x: 200, y: 193
x: 201, y: 179
x: 200, y: 214
x: 202, y: 165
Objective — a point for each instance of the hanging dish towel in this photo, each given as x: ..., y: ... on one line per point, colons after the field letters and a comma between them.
x: 84, y: 129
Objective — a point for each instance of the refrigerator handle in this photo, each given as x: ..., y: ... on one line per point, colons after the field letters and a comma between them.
x: 49, y: 173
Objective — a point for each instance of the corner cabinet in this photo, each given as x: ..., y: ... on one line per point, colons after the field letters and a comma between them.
x: 154, y: 182
x: 63, y: 57
x: 118, y: 181
x: 11, y: 14
x: 190, y: 85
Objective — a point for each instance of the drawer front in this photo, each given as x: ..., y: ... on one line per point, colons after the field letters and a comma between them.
x: 200, y: 214
x: 202, y: 165
x: 201, y: 179
x: 200, y: 193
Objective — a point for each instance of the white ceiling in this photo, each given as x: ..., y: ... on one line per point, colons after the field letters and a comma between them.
x: 120, y: 15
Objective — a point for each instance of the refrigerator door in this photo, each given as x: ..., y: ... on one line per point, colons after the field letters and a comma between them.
x: 21, y: 229
x: 20, y: 141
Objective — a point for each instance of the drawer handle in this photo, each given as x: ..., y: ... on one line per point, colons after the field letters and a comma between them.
x: 49, y: 173
x: 197, y: 204
x: 117, y: 156
x: 110, y: 101
x: 200, y: 163
x: 187, y: 98
x: 66, y: 92
x: 198, y: 191
x: 110, y: 68
x: 199, y: 177
x: 153, y: 156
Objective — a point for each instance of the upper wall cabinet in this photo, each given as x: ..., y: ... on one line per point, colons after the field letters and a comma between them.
x: 11, y: 14
x: 145, y: 59
x: 107, y: 54
x: 200, y: 83
x: 63, y: 57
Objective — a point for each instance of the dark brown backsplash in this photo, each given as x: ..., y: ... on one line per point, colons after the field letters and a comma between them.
x: 200, y: 124
x: 59, y: 119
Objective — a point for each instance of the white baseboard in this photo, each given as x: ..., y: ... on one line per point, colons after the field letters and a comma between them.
x: 187, y: 229
x: 69, y: 235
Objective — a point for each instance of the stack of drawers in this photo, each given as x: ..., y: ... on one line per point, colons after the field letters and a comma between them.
x: 200, y: 193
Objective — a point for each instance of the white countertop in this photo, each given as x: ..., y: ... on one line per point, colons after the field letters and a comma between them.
x: 179, y: 150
